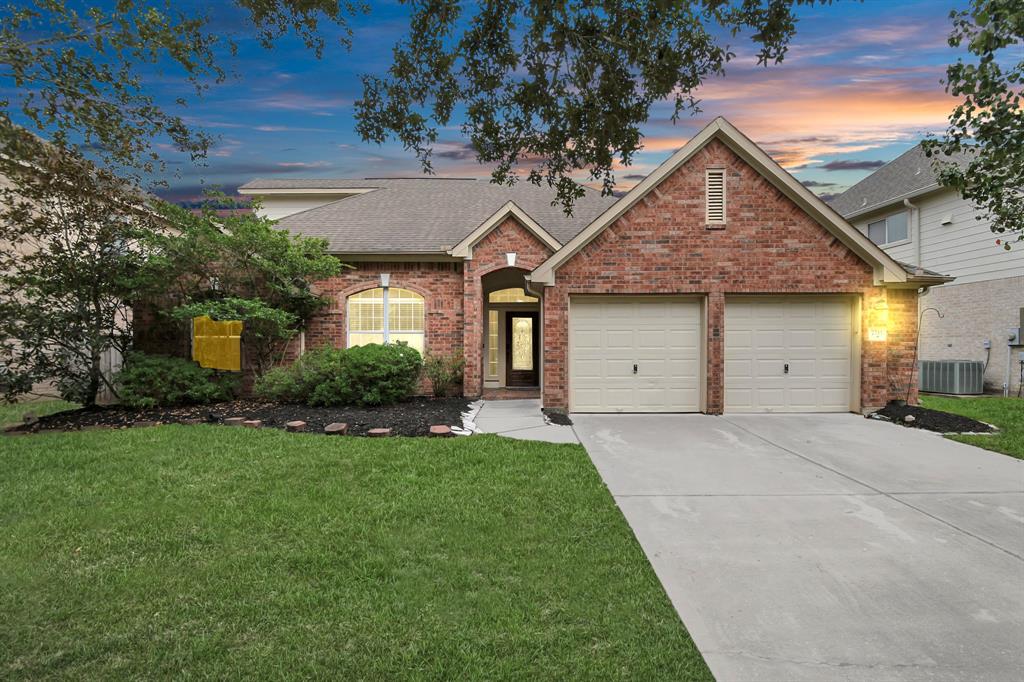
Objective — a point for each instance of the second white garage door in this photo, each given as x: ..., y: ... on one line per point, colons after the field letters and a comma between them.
x: 788, y: 354
x: 634, y: 354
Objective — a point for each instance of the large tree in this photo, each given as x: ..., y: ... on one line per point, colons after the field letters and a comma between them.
x: 82, y: 74
x: 986, y: 130
x: 557, y: 87
x: 79, y: 130
x: 73, y: 248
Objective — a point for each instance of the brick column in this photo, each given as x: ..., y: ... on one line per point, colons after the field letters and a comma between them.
x: 716, y: 353
x: 874, y: 378
x: 472, y: 336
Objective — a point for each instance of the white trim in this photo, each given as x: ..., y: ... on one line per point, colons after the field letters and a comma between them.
x: 886, y: 269
x: 464, y: 249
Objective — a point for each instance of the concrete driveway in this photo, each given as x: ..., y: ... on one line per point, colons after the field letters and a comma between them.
x: 825, y: 547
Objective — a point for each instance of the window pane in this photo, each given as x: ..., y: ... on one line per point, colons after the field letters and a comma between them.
x: 413, y: 340
x: 492, y: 343
x: 876, y: 232
x: 405, y: 311
x: 897, y: 227
x: 516, y: 295
x: 361, y: 339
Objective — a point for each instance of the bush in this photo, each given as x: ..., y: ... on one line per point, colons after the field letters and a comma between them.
x: 363, y: 375
x: 297, y: 382
x: 160, y: 381
x: 445, y: 372
x: 372, y: 375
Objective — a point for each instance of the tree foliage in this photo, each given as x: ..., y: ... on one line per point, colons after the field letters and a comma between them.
x: 240, y: 267
x: 73, y: 251
x: 558, y: 86
x: 80, y: 69
x: 987, y: 127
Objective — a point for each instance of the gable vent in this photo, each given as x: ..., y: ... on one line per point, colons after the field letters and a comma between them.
x: 715, y: 196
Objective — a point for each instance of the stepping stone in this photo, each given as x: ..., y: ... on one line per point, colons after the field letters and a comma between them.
x: 440, y: 430
x: 144, y: 424
x: 336, y: 429
x: 378, y: 433
x: 190, y: 422
x: 295, y: 426
x: 234, y: 421
x: 252, y: 424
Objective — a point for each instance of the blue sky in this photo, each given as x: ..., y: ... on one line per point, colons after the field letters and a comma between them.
x: 861, y: 84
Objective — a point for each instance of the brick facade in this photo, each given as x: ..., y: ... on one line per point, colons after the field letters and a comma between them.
x: 659, y: 246
x: 768, y: 245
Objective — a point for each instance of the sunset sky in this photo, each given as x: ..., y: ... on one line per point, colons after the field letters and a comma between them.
x: 861, y: 84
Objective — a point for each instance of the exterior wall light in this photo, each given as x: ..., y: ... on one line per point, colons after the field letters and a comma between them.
x: 878, y: 321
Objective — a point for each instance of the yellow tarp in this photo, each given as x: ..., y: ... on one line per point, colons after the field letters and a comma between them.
x: 217, y: 345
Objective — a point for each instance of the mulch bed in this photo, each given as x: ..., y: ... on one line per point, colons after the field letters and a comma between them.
x: 556, y: 416
x: 932, y: 420
x: 411, y: 418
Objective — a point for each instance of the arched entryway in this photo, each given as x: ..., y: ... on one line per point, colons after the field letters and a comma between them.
x: 512, y: 331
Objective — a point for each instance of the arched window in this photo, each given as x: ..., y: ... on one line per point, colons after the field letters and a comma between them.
x: 367, y: 322
x: 511, y: 296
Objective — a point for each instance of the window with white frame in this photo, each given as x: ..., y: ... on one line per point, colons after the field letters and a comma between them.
x: 889, y: 230
x: 367, y: 322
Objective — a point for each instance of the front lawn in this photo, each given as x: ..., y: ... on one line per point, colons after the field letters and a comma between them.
x: 1006, y: 413
x: 203, y: 551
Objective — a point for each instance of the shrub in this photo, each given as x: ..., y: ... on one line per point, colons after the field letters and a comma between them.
x: 372, y: 375
x: 445, y: 372
x: 363, y: 375
x: 160, y: 381
x: 297, y: 382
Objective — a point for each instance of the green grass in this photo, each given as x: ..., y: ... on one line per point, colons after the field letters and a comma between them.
x: 1006, y: 413
x: 11, y: 413
x: 231, y: 554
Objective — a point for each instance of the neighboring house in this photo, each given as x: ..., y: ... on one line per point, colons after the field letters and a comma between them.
x: 719, y: 283
x: 902, y: 208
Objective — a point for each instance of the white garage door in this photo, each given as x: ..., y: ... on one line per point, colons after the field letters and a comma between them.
x: 787, y: 354
x: 634, y: 354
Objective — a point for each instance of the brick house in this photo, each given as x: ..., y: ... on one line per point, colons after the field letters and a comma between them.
x: 717, y: 284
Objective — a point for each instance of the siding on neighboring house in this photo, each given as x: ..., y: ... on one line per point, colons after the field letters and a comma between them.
x: 984, y: 301
x: 965, y: 249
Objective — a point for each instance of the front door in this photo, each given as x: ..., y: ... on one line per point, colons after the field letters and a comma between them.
x: 521, y: 349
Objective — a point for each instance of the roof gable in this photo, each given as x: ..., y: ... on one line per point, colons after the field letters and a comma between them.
x: 464, y: 249
x: 886, y: 269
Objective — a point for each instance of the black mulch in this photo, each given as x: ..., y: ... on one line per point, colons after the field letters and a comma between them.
x: 411, y: 418
x: 933, y: 420
x: 556, y: 416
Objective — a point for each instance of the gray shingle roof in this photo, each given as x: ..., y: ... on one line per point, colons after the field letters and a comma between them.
x: 905, y: 176
x: 424, y: 215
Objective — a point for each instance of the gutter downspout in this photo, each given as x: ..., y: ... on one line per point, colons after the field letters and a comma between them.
x: 916, y: 213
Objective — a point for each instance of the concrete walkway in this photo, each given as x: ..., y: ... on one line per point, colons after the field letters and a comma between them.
x: 825, y: 547
x: 521, y: 419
